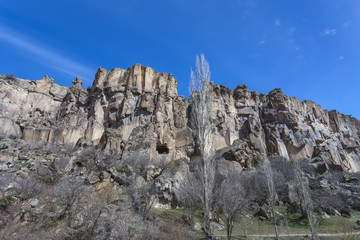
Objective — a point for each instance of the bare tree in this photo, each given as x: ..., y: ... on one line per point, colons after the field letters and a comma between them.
x: 283, y: 173
x: 68, y: 192
x: 200, y: 103
x: 93, y: 158
x: 293, y: 170
x: 235, y: 194
x: 189, y: 194
x: 272, y: 196
x: 143, y: 196
x: 306, y: 202
x: 106, y: 217
x: 28, y: 187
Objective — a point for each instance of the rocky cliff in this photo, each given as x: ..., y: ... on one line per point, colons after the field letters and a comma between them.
x: 137, y: 112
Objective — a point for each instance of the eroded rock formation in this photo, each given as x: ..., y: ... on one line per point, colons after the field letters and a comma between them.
x: 137, y: 113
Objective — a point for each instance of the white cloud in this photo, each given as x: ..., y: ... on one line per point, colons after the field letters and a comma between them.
x: 49, y: 58
x: 277, y: 22
x: 330, y: 32
x: 261, y: 42
x: 341, y: 58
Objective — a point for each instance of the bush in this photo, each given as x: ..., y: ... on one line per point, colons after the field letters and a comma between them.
x: 51, y: 223
x: 93, y: 158
x: 10, y: 76
x: 28, y: 187
x: 68, y: 192
x: 5, y: 202
x: 53, y: 175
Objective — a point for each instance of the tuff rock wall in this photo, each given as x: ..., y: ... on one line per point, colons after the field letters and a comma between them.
x: 137, y: 113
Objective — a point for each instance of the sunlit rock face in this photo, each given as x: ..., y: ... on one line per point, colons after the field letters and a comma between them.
x: 137, y: 113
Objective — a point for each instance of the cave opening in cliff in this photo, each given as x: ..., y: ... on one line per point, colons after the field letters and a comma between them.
x: 162, y: 148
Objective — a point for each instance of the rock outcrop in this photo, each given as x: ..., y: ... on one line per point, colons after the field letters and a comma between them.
x: 137, y: 113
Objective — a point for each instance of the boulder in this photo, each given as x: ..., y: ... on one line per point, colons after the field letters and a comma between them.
x: 93, y: 178
x: 197, y: 226
x: 262, y: 214
x: 9, y: 129
x: 216, y: 226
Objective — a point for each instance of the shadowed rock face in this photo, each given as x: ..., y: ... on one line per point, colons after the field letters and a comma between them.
x: 137, y: 112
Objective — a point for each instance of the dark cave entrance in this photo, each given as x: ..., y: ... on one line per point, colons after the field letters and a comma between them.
x: 162, y: 148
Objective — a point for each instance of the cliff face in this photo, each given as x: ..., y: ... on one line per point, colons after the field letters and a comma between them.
x: 137, y: 112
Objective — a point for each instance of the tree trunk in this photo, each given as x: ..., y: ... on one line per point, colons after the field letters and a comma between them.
x: 207, y: 228
x: 229, y: 228
x: 276, y: 228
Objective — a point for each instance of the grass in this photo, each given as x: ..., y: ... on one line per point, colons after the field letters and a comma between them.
x: 296, y: 221
x: 51, y: 223
x: 6, y: 201
x: 172, y: 218
x: 254, y: 226
x: 165, y: 214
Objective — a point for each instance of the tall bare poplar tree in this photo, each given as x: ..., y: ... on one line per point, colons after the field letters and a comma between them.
x: 200, y: 102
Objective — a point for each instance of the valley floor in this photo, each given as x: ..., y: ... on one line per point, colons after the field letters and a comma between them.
x: 335, y: 227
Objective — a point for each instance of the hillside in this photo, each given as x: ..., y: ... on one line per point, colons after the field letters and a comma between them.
x: 75, y: 162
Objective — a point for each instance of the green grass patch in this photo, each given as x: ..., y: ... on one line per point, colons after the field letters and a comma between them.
x: 245, y: 226
x: 52, y: 223
x: 6, y: 201
x: 281, y: 209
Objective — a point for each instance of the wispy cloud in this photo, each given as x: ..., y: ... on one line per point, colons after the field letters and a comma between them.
x: 277, y: 22
x: 341, y: 58
x: 48, y: 57
x: 346, y: 24
x: 291, y: 31
x: 329, y: 32
x: 261, y: 42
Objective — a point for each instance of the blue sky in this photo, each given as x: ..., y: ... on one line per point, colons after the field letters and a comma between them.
x: 309, y: 48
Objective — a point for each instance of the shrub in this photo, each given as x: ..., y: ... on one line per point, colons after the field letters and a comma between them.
x: 28, y: 187
x: 68, y: 192
x: 5, y: 202
x: 10, y: 76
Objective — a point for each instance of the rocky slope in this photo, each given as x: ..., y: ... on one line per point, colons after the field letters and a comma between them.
x: 90, y: 163
x: 137, y: 112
